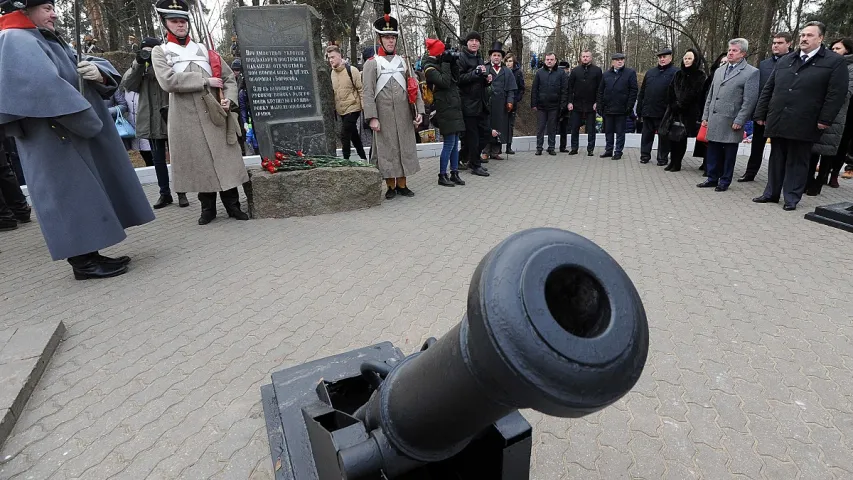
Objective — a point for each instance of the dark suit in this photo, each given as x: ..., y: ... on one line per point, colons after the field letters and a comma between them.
x: 795, y: 99
x: 651, y: 107
x: 616, y: 97
x: 759, y: 140
x: 583, y: 92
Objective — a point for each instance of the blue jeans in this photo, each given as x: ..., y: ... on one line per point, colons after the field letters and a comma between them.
x: 158, y: 153
x: 450, y: 153
x: 721, y: 158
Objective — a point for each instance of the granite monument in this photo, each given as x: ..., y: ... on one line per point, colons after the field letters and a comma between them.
x: 287, y: 79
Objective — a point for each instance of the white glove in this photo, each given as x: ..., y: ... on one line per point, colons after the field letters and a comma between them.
x: 89, y: 71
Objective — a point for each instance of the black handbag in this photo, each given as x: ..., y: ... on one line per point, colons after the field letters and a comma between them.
x: 677, y: 131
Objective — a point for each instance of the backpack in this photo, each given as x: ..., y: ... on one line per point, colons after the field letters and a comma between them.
x: 426, y: 90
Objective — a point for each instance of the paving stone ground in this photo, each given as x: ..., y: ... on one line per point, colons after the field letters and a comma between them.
x: 749, y: 374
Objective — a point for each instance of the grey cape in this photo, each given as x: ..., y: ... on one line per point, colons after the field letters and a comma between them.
x: 82, y: 185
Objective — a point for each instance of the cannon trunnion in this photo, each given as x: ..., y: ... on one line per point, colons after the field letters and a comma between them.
x: 553, y: 323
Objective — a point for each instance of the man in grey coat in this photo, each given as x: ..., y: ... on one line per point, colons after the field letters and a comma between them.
x: 801, y: 99
x: 729, y: 104
x: 82, y: 185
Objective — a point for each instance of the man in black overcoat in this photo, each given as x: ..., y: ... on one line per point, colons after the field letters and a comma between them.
x: 800, y: 100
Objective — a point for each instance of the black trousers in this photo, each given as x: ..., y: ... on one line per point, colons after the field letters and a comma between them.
x: 12, y: 199
x: 650, y: 126
x: 474, y: 140
x: 350, y: 135
x: 756, y: 152
x: 8, y: 144
x: 564, y: 123
x: 589, y: 119
x: 788, y: 170
x: 546, y: 120
x: 511, y: 129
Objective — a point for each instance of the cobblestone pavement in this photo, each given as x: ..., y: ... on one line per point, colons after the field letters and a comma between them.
x: 159, y: 373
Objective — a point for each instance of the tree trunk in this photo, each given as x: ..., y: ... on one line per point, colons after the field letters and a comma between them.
x: 766, y: 25
x: 737, y: 18
x: 515, y: 31
x: 617, y: 24
x: 96, y: 18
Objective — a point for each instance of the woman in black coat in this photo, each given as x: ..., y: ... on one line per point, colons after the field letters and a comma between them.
x: 700, y: 147
x: 512, y: 64
x: 685, y: 101
x: 442, y: 74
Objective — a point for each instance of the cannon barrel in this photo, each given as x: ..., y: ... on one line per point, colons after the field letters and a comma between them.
x: 553, y: 323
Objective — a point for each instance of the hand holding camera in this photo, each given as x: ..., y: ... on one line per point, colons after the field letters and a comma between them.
x: 143, y: 56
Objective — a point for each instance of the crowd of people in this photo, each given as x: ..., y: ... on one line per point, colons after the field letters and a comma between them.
x: 476, y: 101
x: 799, y: 99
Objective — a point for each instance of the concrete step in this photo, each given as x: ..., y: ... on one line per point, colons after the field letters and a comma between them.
x: 24, y: 355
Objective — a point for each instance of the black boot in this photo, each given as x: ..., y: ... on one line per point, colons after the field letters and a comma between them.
x: 182, y: 200
x: 231, y: 201
x: 87, y: 266
x: 454, y: 177
x: 208, y: 207
x: 444, y: 181
x: 163, y: 201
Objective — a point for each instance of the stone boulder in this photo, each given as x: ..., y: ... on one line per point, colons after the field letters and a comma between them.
x: 313, y: 192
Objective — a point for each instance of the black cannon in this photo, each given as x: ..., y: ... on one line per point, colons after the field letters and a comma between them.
x: 553, y: 324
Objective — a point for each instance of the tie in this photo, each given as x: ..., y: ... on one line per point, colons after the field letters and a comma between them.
x: 805, y: 58
x: 729, y: 70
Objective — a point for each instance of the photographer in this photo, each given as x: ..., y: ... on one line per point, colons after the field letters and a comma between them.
x: 150, y: 124
x: 442, y: 72
x: 473, y: 81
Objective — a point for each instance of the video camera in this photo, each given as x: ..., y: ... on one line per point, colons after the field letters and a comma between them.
x: 143, y: 56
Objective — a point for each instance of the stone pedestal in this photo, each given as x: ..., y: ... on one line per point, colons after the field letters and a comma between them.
x: 838, y: 215
x: 313, y: 192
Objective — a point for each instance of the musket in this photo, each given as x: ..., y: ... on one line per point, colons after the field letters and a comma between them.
x: 409, y: 68
x: 79, y: 44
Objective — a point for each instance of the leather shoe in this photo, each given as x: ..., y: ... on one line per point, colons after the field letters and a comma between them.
x: 8, y: 224
x: 510, y: 151
x: 86, y: 267
x: 182, y: 200
x: 644, y: 160
x: 763, y: 199
x: 538, y: 151
x: 405, y: 192
x: 551, y: 152
x: 479, y: 171
x: 617, y: 156
x: 123, y: 260
x: 606, y: 154
x: 746, y: 178
x: 788, y: 207
x: 662, y: 163
x: 707, y: 184
x: 720, y: 188
x: 163, y: 201
x: 589, y: 153
x: 573, y: 152
x: 391, y: 193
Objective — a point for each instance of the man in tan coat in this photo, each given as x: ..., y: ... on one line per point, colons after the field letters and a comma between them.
x: 346, y: 82
x: 386, y: 105
x: 203, y: 133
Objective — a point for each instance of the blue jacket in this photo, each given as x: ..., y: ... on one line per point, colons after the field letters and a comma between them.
x: 618, y: 92
x: 765, y: 68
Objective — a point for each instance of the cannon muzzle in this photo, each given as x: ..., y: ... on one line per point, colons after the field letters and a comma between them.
x: 553, y: 323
